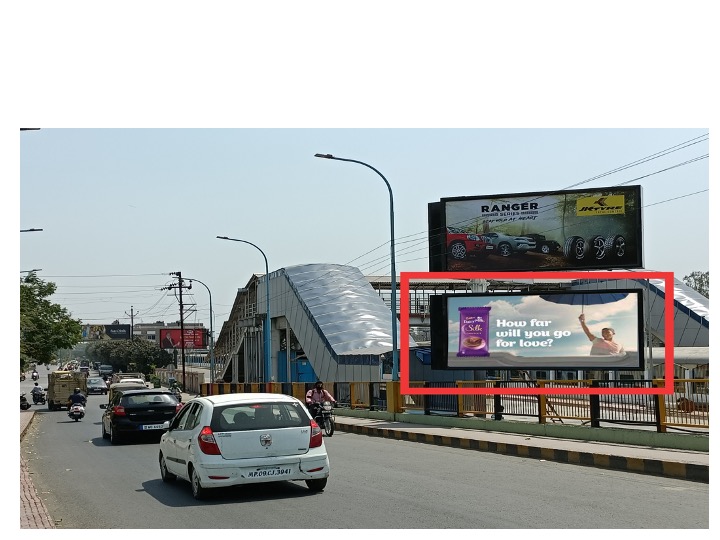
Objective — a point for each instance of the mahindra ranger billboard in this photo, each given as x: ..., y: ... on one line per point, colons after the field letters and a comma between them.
x: 593, y: 228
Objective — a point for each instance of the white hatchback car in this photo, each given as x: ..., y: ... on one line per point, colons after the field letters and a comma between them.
x: 233, y: 439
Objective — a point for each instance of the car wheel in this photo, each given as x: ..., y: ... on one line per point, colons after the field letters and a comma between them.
x: 505, y: 249
x: 597, y: 244
x: 458, y: 250
x: 104, y: 433
x: 575, y: 248
x: 164, y: 473
x: 317, y: 484
x: 545, y: 249
x: 617, y: 247
x: 114, y: 438
x: 198, y: 491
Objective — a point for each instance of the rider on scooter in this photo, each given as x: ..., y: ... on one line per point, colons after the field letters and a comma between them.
x: 36, y: 390
x: 77, y: 397
x: 315, y: 396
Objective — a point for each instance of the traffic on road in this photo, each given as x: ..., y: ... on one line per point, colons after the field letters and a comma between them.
x: 88, y: 482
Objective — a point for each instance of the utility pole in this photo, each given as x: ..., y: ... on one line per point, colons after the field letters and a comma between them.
x: 180, y: 288
x: 132, y: 325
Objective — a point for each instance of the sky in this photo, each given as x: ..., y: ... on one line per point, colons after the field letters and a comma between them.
x: 121, y: 209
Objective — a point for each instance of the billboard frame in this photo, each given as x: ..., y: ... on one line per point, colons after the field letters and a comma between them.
x: 406, y: 277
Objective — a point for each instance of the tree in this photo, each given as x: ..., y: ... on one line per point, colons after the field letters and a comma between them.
x: 45, y: 327
x: 121, y: 353
x: 700, y: 281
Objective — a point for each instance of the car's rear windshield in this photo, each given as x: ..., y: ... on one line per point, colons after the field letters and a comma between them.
x: 145, y: 400
x: 96, y: 381
x: 249, y: 416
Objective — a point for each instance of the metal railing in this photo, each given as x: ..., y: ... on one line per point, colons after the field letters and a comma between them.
x: 687, y: 407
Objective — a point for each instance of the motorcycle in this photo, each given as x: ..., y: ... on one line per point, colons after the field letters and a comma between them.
x: 39, y: 398
x: 175, y: 389
x: 24, y: 403
x: 76, y: 411
x: 35, y: 376
x: 324, y: 416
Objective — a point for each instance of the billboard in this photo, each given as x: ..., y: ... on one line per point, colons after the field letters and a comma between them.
x: 96, y: 332
x: 195, y: 338
x: 543, y: 330
x: 593, y: 228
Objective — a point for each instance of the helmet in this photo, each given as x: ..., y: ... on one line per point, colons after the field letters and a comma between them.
x: 318, y: 384
x: 36, y: 384
x: 77, y: 390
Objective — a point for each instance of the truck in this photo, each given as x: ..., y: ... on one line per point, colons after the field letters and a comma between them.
x: 61, y: 385
x: 105, y: 369
x: 118, y: 377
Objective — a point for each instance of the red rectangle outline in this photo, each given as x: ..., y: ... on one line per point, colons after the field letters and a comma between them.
x: 405, y: 278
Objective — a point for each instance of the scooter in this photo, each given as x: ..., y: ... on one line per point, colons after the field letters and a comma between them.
x: 39, y: 398
x: 76, y: 411
x: 24, y: 403
x: 35, y: 376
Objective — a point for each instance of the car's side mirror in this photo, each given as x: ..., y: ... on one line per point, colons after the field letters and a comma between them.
x: 166, y: 425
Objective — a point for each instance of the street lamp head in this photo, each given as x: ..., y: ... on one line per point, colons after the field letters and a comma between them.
x: 325, y: 156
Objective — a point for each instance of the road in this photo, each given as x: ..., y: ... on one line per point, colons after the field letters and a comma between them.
x: 375, y: 484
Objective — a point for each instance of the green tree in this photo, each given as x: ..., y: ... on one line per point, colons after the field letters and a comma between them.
x: 45, y: 327
x: 123, y: 352
x: 700, y: 281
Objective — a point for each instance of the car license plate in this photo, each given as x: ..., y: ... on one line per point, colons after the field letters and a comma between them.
x: 277, y: 471
x: 152, y: 426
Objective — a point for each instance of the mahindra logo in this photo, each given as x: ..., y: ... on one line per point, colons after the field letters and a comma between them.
x: 265, y: 440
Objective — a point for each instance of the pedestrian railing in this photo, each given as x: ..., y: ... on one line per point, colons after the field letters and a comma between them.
x: 687, y: 407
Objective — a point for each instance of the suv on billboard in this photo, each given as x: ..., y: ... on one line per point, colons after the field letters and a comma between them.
x: 461, y: 245
x: 505, y: 245
x: 543, y: 245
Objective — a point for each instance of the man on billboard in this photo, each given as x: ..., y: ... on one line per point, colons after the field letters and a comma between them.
x: 605, y: 344
x: 167, y: 342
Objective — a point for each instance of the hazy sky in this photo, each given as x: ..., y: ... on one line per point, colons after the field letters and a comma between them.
x: 122, y: 208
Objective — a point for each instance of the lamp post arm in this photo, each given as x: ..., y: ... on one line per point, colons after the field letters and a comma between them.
x: 268, y: 363
x: 393, y: 278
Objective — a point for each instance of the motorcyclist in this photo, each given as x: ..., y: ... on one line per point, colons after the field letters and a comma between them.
x: 35, y: 375
x: 77, y: 397
x: 36, y: 390
x: 315, y: 396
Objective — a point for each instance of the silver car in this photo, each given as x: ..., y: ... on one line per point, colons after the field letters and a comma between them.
x: 234, y: 439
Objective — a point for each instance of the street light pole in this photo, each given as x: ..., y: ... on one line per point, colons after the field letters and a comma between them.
x: 393, y: 280
x: 212, y: 338
x: 268, y: 364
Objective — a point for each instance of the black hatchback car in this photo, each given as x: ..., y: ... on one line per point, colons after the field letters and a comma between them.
x: 138, y: 413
